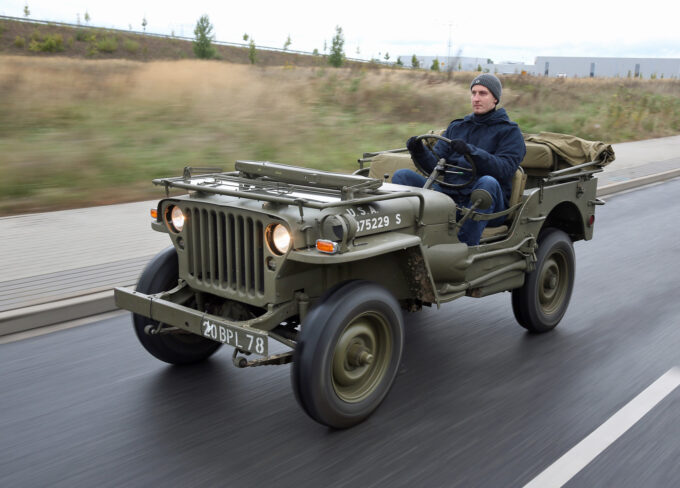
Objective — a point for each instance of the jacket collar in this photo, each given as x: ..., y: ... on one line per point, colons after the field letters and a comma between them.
x: 492, y: 117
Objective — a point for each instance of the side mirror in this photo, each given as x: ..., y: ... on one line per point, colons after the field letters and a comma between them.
x: 481, y: 199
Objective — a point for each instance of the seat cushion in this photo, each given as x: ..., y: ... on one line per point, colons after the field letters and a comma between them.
x: 387, y: 163
x: 538, y: 156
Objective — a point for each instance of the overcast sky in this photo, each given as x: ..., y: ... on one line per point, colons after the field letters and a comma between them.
x: 504, y: 30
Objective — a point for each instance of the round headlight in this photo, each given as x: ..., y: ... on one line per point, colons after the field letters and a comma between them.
x: 278, y: 238
x: 177, y: 218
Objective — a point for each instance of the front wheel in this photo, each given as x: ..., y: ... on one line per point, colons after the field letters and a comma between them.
x: 178, y: 347
x: 348, y: 354
x: 542, y: 301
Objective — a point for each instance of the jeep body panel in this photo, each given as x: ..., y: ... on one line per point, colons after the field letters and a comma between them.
x: 404, y: 239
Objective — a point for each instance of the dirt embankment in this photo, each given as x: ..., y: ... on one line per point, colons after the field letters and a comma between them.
x: 40, y: 39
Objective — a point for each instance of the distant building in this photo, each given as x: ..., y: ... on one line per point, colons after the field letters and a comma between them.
x: 607, y: 67
x: 563, y: 67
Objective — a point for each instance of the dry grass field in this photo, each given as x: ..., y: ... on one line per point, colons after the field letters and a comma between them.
x: 77, y: 132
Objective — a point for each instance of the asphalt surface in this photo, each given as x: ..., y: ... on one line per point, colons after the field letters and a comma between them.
x: 478, y: 401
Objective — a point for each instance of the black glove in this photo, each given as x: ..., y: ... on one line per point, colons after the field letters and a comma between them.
x: 414, y: 146
x: 459, y: 146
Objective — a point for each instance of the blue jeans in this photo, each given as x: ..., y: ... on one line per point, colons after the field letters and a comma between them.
x: 472, y: 230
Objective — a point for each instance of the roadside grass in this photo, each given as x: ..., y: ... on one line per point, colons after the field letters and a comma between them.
x: 87, y: 132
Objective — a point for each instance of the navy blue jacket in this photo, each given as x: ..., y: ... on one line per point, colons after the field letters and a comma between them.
x: 496, y: 145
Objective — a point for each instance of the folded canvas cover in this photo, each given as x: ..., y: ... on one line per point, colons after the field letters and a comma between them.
x: 571, y: 149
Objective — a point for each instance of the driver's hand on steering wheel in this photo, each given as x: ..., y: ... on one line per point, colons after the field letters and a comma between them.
x: 414, y: 145
x: 459, y: 146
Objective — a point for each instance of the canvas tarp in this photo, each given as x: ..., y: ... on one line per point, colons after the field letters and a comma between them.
x: 574, y: 150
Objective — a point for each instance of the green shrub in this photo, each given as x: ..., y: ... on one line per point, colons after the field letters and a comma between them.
x: 107, y: 44
x: 51, y: 43
x: 252, y: 51
x: 19, y: 42
x: 337, y: 56
x: 131, y: 46
x: 203, y: 48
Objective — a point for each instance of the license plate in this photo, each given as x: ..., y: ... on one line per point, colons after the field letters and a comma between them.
x: 245, y: 341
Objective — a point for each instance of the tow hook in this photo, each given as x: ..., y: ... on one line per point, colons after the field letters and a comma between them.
x: 273, y: 360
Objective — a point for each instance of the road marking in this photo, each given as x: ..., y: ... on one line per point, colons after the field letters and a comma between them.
x: 579, y: 456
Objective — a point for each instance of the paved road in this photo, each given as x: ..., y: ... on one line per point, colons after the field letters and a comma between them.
x: 478, y: 402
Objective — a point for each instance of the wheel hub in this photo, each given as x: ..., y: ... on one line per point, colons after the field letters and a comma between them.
x: 552, y: 288
x: 361, y: 357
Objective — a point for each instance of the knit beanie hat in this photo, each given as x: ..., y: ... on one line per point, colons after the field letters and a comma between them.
x: 491, y: 82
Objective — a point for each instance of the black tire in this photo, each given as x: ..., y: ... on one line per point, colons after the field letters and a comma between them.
x: 348, y: 354
x: 542, y: 301
x: 177, y: 348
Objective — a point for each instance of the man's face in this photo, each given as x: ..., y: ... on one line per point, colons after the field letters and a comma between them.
x: 482, y: 100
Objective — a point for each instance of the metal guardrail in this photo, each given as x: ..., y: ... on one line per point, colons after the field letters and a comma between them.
x: 190, y: 39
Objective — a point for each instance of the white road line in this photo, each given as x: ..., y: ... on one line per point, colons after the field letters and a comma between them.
x: 579, y: 456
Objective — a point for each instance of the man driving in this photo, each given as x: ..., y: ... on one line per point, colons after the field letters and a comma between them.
x: 488, y: 136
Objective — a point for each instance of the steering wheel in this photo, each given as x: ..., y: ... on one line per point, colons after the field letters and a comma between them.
x: 442, y: 168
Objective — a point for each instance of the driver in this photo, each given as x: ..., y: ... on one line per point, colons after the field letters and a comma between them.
x: 494, y: 142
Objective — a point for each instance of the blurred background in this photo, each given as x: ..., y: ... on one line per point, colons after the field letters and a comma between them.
x: 89, y: 116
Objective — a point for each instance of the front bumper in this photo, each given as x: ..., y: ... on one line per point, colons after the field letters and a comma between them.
x: 249, y: 335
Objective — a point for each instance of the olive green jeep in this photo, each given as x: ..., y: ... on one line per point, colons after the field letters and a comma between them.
x: 324, y: 264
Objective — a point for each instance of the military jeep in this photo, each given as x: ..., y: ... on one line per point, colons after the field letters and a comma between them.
x: 322, y: 265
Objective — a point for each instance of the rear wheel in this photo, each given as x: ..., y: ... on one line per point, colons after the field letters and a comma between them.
x: 177, y: 347
x: 542, y: 301
x: 348, y: 354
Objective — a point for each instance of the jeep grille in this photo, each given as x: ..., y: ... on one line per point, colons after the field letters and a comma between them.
x: 225, y: 250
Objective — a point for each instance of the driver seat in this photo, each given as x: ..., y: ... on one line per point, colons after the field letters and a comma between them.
x: 519, y: 180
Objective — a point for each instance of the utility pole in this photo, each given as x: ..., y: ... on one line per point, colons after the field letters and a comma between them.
x: 448, y: 61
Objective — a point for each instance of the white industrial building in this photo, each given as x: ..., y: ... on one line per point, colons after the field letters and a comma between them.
x: 607, y: 67
x: 561, y: 66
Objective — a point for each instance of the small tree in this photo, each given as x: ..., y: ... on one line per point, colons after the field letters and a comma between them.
x: 245, y: 37
x: 252, y: 52
x: 337, y: 56
x: 399, y: 62
x: 414, y: 62
x: 435, y: 65
x: 387, y: 56
x: 479, y: 67
x: 203, y: 48
x: 144, y: 23
x: 287, y: 44
x: 87, y: 17
x: 27, y: 12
